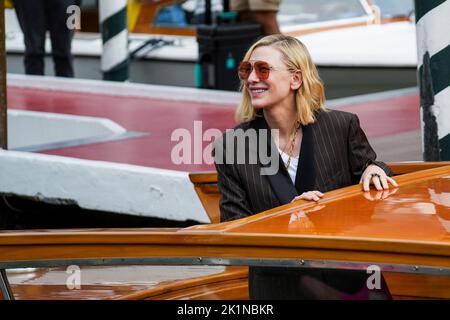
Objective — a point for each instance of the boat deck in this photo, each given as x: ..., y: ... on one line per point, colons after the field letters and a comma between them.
x: 156, y: 118
x: 133, y: 148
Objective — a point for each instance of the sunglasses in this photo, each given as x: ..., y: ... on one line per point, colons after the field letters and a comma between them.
x: 262, y: 70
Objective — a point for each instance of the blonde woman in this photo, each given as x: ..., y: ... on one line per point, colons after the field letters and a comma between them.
x: 318, y: 150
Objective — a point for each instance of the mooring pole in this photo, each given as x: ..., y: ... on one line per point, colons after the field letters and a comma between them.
x: 3, y: 114
x: 114, y: 29
x: 433, y: 47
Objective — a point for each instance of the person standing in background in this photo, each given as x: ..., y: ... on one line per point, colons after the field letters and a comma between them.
x: 35, y: 18
x: 199, y: 12
x: 261, y: 11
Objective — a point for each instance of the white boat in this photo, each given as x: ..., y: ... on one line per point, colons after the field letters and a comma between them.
x: 357, y: 50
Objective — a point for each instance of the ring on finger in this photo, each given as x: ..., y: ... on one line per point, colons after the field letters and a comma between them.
x: 375, y: 175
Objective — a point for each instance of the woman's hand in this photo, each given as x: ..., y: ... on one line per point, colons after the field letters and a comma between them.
x: 310, y: 195
x: 376, y: 176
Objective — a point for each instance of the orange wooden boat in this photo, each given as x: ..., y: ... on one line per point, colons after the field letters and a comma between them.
x: 405, y: 232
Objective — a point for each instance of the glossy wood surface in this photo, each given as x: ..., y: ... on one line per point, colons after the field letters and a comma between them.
x: 182, y: 282
x: 419, y: 211
x: 411, y: 226
x: 205, y: 183
x: 343, y: 226
x: 231, y: 283
x: 399, y: 168
x: 127, y: 282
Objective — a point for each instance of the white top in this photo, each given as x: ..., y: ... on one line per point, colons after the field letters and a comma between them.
x: 292, y: 170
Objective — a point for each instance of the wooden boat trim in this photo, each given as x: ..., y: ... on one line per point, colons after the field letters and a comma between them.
x: 412, y: 166
x: 205, y: 183
x: 226, y: 253
x: 217, y: 241
x: 223, y: 244
x: 210, y: 177
x: 228, y: 278
x: 228, y: 290
x: 410, y: 173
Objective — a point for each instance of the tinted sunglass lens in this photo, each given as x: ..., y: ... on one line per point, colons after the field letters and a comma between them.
x: 262, y: 70
x: 244, y: 70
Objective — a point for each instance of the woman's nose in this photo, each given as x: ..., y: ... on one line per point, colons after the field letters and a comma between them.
x: 253, y: 77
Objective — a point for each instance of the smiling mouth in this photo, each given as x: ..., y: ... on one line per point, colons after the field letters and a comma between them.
x: 259, y: 90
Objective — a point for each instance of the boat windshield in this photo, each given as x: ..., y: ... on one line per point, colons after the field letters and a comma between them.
x: 294, y: 12
x: 395, y: 8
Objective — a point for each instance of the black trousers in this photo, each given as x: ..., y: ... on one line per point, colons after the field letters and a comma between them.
x: 35, y: 18
x: 282, y: 283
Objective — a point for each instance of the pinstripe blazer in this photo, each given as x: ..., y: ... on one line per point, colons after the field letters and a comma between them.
x: 334, y: 153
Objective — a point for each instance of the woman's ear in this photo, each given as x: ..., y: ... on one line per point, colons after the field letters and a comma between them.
x: 297, y: 80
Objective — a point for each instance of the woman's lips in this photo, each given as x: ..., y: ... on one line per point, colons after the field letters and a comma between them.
x: 257, y: 91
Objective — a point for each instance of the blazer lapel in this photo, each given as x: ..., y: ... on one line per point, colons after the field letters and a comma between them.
x: 280, y: 182
x: 306, y: 174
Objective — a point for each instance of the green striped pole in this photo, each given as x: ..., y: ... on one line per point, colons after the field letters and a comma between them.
x: 113, y: 25
x: 433, y: 45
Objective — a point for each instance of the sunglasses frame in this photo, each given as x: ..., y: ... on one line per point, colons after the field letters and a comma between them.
x: 262, y: 75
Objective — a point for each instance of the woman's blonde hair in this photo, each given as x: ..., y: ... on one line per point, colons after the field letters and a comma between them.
x: 309, y: 98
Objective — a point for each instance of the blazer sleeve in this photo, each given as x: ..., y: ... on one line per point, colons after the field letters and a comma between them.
x: 233, y: 197
x: 361, y: 154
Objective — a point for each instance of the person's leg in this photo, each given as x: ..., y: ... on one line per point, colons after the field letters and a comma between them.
x: 268, y: 21
x: 243, y: 8
x: 61, y: 36
x: 247, y: 16
x: 265, y: 12
x: 282, y: 283
x: 31, y: 17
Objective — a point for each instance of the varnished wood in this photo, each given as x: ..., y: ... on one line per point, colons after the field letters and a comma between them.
x: 226, y: 290
x: 206, y: 177
x: 128, y: 282
x: 413, y: 166
x: 205, y: 183
x: 395, y: 19
x: 245, y: 237
x: 230, y: 284
x: 407, y: 228
x: 413, y: 286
